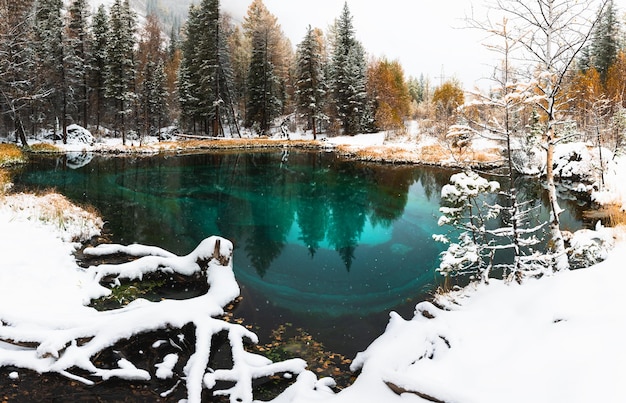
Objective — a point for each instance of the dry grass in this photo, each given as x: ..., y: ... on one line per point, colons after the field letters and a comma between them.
x: 389, y: 154
x: 5, y: 182
x: 57, y: 211
x: 44, y: 148
x: 486, y: 156
x: 11, y: 154
x: 611, y: 215
x: 434, y: 154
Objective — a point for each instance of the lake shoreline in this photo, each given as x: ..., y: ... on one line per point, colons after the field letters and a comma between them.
x: 435, y: 155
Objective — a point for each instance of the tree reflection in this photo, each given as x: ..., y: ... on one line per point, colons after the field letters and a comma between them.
x: 272, y: 206
x: 312, y: 205
x: 388, y: 193
x: 348, y: 204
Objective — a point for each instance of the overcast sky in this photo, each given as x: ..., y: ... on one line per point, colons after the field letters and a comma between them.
x: 427, y: 36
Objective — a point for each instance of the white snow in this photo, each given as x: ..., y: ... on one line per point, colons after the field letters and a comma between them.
x: 556, y: 339
x: 46, y: 325
x: 164, y: 369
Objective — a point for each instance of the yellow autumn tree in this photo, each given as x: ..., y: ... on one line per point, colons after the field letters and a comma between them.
x: 390, y: 93
x: 584, y: 95
x: 616, y: 80
x: 447, y: 98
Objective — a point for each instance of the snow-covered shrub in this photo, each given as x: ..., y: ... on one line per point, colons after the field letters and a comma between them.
x: 529, y: 161
x: 464, y: 210
x: 75, y: 135
x: 588, y: 247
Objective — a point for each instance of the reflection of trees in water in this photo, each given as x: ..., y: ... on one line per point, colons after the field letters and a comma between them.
x: 348, y: 205
x: 432, y: 180
x: 311, y: 204
x: 388, y: 193
x: 272, y: 210
x: 250, y: 198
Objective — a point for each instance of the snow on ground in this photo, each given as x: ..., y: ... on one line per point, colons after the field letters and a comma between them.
x: 47, y: 326
x: 557, y: 339
x: 613, y: 191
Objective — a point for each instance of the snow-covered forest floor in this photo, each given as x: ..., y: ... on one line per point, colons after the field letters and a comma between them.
x: 556, y: 339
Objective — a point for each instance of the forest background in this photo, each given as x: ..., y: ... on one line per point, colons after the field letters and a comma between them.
x: 216, y: 76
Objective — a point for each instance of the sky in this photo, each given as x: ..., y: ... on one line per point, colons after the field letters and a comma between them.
x: 427, y: 36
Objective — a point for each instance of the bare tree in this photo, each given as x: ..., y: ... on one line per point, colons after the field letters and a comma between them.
x: 550, y: 34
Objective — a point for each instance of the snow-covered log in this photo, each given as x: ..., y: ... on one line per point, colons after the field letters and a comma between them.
x: 67, y: 339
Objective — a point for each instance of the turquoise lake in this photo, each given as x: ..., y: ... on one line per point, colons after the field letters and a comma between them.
x: 324, y: 243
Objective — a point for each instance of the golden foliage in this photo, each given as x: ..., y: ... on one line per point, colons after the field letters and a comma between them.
x: 386, y: 85
x: 44, y: 148
x: 10, y: 154
x: 616, y: 79
x: 447, y: 98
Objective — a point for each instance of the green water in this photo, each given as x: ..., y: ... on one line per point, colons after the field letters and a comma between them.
x: 326, y: 244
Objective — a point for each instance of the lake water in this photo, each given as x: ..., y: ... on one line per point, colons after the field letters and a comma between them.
x: 325, y: 244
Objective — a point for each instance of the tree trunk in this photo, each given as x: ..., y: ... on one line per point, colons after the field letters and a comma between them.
x: 557, y: 244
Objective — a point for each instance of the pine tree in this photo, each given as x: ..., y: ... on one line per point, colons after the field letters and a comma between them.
x: 78, y: 49
x: 17, y: 84
x: 50, y: 61
x: 121, y: 69
x: 151, y: 76
x: 205, y: 70
x: 311, y: 87
x: 605, y: 41
x: 188, y: 74
x: 349, y: 77
x: 98, y: 63
x: 239, y: 51
x: 265, y: 83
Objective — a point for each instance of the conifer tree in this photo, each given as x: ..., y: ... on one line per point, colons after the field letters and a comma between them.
x: 188, y: 75
x: 239, y: 51
x: 78, y: 49
x: 151, y: 76
x: 349, y: 77
x: 98, y: 63
x: 389, y: 94
x: 121, y: 69
x: 50, y: 61
x: 265, y: 86
x: 17, y: 84
x: 605, y: 41
x: 311, y: 87
x: 205, y: 70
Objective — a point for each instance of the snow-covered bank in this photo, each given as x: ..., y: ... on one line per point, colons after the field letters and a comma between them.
x: 47, y: 326
x: 554, y: 339
x: 557, y: 339
x: 495, y: 343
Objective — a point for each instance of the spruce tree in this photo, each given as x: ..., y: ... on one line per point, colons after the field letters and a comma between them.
x: 50, y: 62
x: 17, y: 84
x: 311, y: 88
x: 205, y: 70
x: 349, y: 77
x: 121, y: 70
x: 269, y: 72
x: 98, y: 63
x: 605, y: 40
x: 188, y: 74
x: 78, y: 49
x: 264, y: 102
x: 151, y: 76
